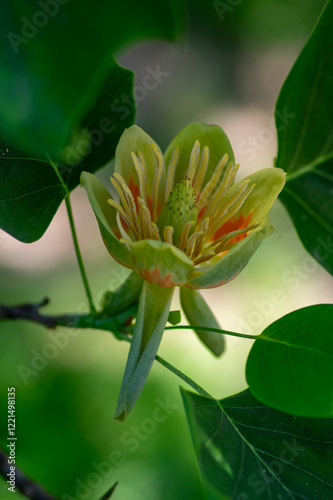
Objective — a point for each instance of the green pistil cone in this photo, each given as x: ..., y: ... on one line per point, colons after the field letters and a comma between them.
x: 180, y: 208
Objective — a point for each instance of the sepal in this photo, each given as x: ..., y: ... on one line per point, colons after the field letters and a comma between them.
x: 123, y: 297
x: 198, y: 313
x: 153, y: 312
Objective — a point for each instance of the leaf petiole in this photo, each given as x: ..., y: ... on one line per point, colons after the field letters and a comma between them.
x: 75, y: 240
x: 217, y: 330
x: 78, y: 255
x: 183, y: 376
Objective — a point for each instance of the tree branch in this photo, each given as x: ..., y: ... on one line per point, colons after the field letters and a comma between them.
x: 119, y: 324
x: 31, y: 313
x: 24, y: 484
x: 28, y: 487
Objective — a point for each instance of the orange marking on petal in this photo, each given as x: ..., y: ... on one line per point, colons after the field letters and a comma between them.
x: 117, y: 234
x: 201, y: 213
x: 231, y: 225
x: 135, y: 190
x: 150, y: 206
x: 156, y: 278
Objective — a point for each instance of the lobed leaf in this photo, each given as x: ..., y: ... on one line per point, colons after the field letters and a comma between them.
x: 64, y: 96
x: 31, y: 191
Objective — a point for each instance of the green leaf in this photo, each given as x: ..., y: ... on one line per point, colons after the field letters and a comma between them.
x: 198, y: 313
x: 30, y: 190
x: 52, y: 54
x: 246, y: 450
x: 63, y: 95
x: 30, y: 195
x: 290, y: 364
x: 153, y: 312
x: 304, y: 121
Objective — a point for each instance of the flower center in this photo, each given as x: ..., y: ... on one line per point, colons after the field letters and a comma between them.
x: 201, y: 222
x: 179, y: 214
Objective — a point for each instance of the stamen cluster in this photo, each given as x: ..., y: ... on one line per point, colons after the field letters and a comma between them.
x: 197, y: 220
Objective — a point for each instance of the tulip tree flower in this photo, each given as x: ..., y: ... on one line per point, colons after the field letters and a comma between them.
x: 178, y: 220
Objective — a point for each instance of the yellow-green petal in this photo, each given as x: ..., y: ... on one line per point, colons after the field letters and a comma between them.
x: 106, y: 217
x: 268, y: 183
x: 135, y: 140
x: 212, y: 136
x: 160, y: 263
x: 231, y: 263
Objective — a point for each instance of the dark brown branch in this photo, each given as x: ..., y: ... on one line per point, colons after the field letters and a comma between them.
x: 119, y: 324
x: 29, y: 312
x: 30, y: 488
x: 23, y: 483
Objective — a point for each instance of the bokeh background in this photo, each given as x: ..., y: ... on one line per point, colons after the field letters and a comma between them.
x: 226, y: 71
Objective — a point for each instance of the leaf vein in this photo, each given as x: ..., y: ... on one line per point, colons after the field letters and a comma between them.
x: 309, y: 210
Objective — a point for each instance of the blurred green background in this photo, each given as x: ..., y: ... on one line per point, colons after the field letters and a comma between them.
x: 226, y: 71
